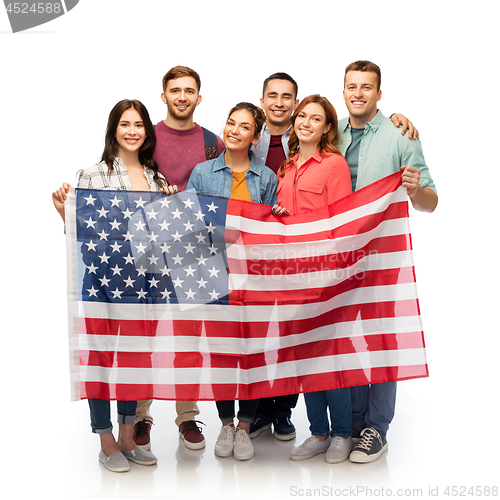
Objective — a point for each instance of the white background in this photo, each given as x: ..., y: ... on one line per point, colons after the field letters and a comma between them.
x: 439, y: 62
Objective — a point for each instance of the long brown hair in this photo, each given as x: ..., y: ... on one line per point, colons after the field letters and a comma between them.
x: 147, y: 149
x: 328, y: 142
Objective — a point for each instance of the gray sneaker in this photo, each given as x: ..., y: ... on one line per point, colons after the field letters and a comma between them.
x: 115, y: 463
x: 339, y: 449
x: 140, y: 456
x: 310, y: 447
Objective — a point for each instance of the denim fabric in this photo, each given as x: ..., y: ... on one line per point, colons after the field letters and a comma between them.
x: 215, y: 178
x: 246, y: 413
x: 373, y: 406
x: 383, y: 151
x: 100, y: 414
x: 338, y: 401
x: 261, y: 149
x: 279, y: 406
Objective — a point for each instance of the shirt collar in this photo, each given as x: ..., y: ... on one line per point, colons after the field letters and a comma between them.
x: 219, y: 163
x: 374, y: 124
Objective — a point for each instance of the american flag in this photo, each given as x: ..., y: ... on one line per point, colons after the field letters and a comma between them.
x: 190, y: 297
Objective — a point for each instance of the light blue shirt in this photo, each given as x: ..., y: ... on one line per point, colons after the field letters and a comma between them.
x: 383, y: 150
x: 215, y: 178
x: 261, y: 149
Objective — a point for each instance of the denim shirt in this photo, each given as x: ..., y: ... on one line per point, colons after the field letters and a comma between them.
x: 215, y: 178
x: 383, y: 150
x: 261, y: 149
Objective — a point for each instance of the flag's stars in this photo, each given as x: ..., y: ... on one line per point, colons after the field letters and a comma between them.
x: 178, y: 282
x: 153, y: 260
x: 199, y: 215
x: 212, y: 207
x: 117, y: 293
x: 190, y: 294
x: 103, y: 235
x: 153, y: 282
x: 92, y: 291
x: 91, y: 246
x: 214, y: 295
x: 104, y: 258
x: 141, y: 271
x: 214, y: 272
x: 140, y: 225
x: 129, y: 259
x: 201, y: 283
x: 177, y: 236
x: 164, y: 225
x: 189, y: 248
x: 177, y: 259
x: 115, y: 202
x: 165, y: 294
x: 189, y: 271
x: 188, y: 203
x: 152, y: 214
x: 142, y: 294
x: 140, y: 247
x: 115, y: 224
x: 188, y: 225
x: 127, y: 214
x: 139, y: 203
x: 115, y: 246
x: 104, y: 281
x: 200, y: 237
x: 152, y: 237
x: 165, y: 248
x: 165, y: 202
x: 117, y: 270
x: 129, y: 282
x: 213, y: 250
x: 165, y: 271
x: 210, y: 228
x: 90, y: 223
x: 90, y: 199
x: 102, y: 212
x: 92, y: 268
x: 201, y: 260
x: 177, y: 214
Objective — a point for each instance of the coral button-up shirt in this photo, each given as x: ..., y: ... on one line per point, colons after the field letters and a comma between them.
x: 320, y: 181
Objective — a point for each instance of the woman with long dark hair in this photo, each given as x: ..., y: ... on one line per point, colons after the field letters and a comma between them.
x: 126, y: 164
x: 316, y: 175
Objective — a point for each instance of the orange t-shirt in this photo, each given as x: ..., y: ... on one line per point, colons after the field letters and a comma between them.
x: 239, y: 191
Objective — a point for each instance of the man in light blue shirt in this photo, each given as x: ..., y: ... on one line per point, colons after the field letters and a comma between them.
x: 374, y: 149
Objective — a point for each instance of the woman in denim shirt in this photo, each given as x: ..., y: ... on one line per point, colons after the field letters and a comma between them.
x: 237, y: 174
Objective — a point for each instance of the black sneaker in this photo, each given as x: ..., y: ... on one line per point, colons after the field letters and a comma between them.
x: 260, y: 424
x: 284, y: 430
x: 371, y: 446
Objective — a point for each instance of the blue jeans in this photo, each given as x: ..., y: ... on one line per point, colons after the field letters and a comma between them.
x: 246, y: 413
x: 373, y: 406
x: 279, y: 406
x: 100, y: 414
x: 338, y: 401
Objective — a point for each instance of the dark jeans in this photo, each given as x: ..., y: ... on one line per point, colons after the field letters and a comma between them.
x: 246, y: 411
x: 280, y: 406
x: 100, y: 414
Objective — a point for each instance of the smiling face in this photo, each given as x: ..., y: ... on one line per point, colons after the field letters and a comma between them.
x: 130, y: 133
x: 181, y: 97
x: 361, y: 96
x: 278, y: 103
x: 240, y: 132
x: 310, y: 124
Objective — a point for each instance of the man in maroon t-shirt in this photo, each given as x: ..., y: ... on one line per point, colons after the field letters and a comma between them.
x: 181, y: 145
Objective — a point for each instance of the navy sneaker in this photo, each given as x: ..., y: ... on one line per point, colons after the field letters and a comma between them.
x: 284, y: 430
x: 371, y: 447
x: 260, y: 424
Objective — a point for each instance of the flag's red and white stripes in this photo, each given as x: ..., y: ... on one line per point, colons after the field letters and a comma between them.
x: 318, y: 301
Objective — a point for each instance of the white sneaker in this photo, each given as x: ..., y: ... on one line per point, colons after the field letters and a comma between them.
x: 225, y: 442
x: 310, y: 447
x: 243, y: 447
x: 339, y: 449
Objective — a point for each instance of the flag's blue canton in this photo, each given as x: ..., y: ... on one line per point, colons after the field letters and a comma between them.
x: 140, y: 247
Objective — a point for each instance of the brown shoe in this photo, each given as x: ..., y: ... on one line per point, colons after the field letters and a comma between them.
x: 142, y: 432
x: 191, y: 434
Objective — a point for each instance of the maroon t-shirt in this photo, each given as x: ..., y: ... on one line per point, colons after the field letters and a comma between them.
x: 179, y: 151
x: 275, y: 156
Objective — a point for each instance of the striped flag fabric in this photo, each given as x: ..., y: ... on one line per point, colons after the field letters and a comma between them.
x: 190, y: 297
